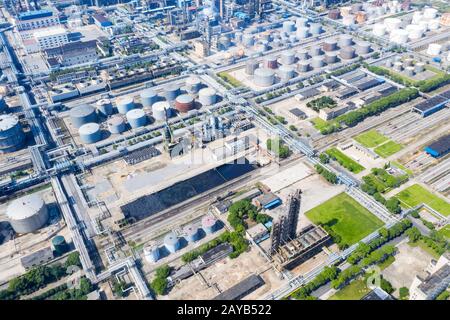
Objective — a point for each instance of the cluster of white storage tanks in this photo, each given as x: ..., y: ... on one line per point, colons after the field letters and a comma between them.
x: 407, y: 65
x: 173, y: 243
x: 401, y: 31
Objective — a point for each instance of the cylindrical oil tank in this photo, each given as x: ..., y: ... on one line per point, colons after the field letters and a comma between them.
x: 171, y: 242
x: 415, y: 32
x: 419, y: 67
x: 398, y: 66
x: 331, y: 57
x: 317, y: 62
x: 104, y: 107
x: 347, y: 53
x: 136, y: 118
x: 159, y: 110
x: 329, y: 45
x: 301, y: 22
x: 430, y: 13
x: 399, y: 36
x: 302, y: 32
x: 116, y: 124
x: 248, y: 40
x: 27, y: 214
x: 191, y: 233
x: 434, y: 49
x: 315, y: 51
x: 349, y: 20
x: 250, y: 66
x: 270, y: 62
x: 193, y: 84
x: 286, y: 72
x: 293, y: 39
x: 90, y: 133
x: 171, y: 91
x: 362, y: 47
x: 184, y: 103
x: 356, y: 7
x: 302, y: 54
x: 207, y: 96
x: 59, y: 245
x: 264, y: 77
x: 409, y: 71
x: 408, y: 62
x: 433, y: 24
x: 288, y: 26
x: 392, y: 23
x: 389, y: 63
x: 11, y: 133
x: 125, y: 104
x: 303, y: 66
x: 209, y: 224
x: 315, y: 28
x: 148, y: 97
x: 151, y: 253
x: 345, y: 40
x: 83, y: 114
x: 379, y: 29
x: 334, y: 14
x: 287, y: 57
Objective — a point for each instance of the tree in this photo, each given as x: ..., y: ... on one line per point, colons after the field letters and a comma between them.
x: 323, y: 157
x: 386, y: 285
x: 404, y: 293
x: 73, y: 259
x: 393, y: 205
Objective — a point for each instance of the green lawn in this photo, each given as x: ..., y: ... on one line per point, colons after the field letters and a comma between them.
x: 346, y: 217
x: 230, y: 79
x: 345, y: 161
x: 386, y: 263
x: 416, y: 194
x: 318, y: 123
x: 445, y: 231
x: 354, y: 291
x: 371, y: 138
x: 388, y: 149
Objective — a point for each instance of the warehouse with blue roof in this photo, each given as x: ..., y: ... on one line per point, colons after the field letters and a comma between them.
x: 433, y: 104
x: 439, y: 148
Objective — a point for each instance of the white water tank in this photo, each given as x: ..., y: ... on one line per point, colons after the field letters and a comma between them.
x: 392, y: 24
x: 430, y: 13
x: 399, y: 36
x: 414, y: 31
x: 27, y: 214
x: 159, y: 110
x: 434, y: 49
x: 379, y: 29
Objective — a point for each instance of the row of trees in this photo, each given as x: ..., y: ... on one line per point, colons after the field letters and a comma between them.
x: 328, y: 274
x: 435, y: 241
x: 78, y: 293
x: 354, y: 117
x: 371, y: 187
x: 345, y: 70
x: 159, y: 283
x: 328, y: 175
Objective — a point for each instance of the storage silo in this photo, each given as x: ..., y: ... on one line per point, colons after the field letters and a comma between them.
x: 90, y: 133
x: 345, y: 40
x: 389, y: 63
x: 348, y: 20
x: 362, y: 47
x: 287, y: 57
x: 347, y: 53
x: 160, y: 110
x: 317, y: 62
x: 303, y: 66
x: 331, y: 57
x: 191, y: 233
x: 171, y: 91
x: 171, y: 242
x: 11, y: 134
x: 430, y: 13
x: 302, y: 54
x: 83, y: 114
x: 334, y: 14
x: 302, y: 32
x: 60, y: 245
x: 409, y: 71
x: 398, y: 66
x: 288, y: 26
x: 148, y: 97
x: 301, y: 22
x: 193, y: 84
x: 315, y: 51
x: 270, y: 62
x: 264, y: 77
x: 136, y: 118
x: 399, y: 36
x: 408, y: 62
x: 250, y: 66
x: 207, y: 96
x: 392, y: 24
x: 209, y: 224
x: 116, y: 124
x: 379, y: 29
x: 434, y: 49
x: 329, y: 45
x: 184, y: 103
x: 419, y: 67
x: 27, y: 214
x: 315, y: 28
x: 151, y: 253
x: 286, y: 72
x: 104, y: 107
x: 124, y: 104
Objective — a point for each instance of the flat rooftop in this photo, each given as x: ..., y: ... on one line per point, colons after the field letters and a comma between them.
x: 441, y: 145
x: 242, y: 289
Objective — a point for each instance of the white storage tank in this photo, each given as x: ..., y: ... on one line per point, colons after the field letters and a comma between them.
x: 392, y: 24
x: 90, y: 133
x: 315, y: 51
x: 348, y: 20
x: 125, y: 104
x: 302, y: 32
x: 414, y: 31
x: 409, y: 71
x: 399, y: 36
x: 331, y: 57
x: 207, y: 96
x: 419, y: 67
x: 302, y: 54
x: 248, y: 40
x: 250, y: 66
x: 160, y: 110
x: 345, y: 40
x: 317, y: 62
x: 347, y: 53
x: 136, y: 118
x: 398, y: 66
x: 193, y: 84
x: 116, y: 124
x: 430, y: 13
x: 151, y: 253
x: 148, y: 97
x: 287, y: 57
x: 83, y: 114
x: 315, y: 28
x: 171, y: 91
x: 209, y: 224
x: 191, y: 233
x: 286, y: 72
x: 270, y: 62
x: 171, y: 242
x: 288, y: 26
x: 12, y: 136
x: 301, y: 22
x: 362, y: 47
x: 264, y: 77
x: 433, y: 24
x: 329, y: 45
x: 434, y: 49
x: 27, y: 214
x: 104, y: 107
x: 379, y: 29
x: 303, y: 66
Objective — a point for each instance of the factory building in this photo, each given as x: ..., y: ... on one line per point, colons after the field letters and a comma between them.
x: 432, y: 104
x: 27, y: 214
x: 36, y: 19
x: 439, y: 148
x: 242, y: 289
x: 267, y: 201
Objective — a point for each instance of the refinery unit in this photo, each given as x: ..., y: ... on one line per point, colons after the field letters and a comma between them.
x: 131, y: 150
